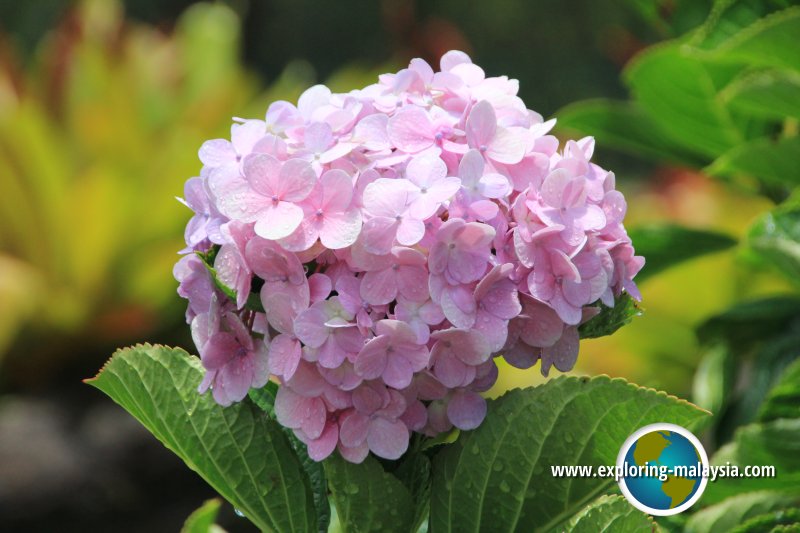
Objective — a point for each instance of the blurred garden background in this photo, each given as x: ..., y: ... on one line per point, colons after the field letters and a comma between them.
x: 103, y: 105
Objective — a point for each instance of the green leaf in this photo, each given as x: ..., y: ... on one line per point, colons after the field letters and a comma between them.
x: 264, y: 398
x: 497, y: 477
x: 783, y: 400
x: 755, y: 320
x: 771, y: 94
x: 415, y: 473
x: 776, y: 236
x: 367, y: 498
x: 610, y: 513
x: 769, y: 162
x: 770, y: 41
x: 775, y: 443
x: 664, y: 245
x: 729, y: 17
x: 781, y: 521
x: 203, y: 519
x: 238, y: 450
x: 625, y: 126
x: 680, y: 94
x: 735, y: 510
x: 610, y: 319
x: 714, y: 378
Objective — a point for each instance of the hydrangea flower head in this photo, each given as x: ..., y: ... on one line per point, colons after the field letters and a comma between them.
x: 375, y: 252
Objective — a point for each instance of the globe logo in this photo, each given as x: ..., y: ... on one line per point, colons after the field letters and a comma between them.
x: 661, y: 469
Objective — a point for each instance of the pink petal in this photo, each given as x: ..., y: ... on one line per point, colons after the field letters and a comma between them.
x: 470, y: 169
x: 387, y: 439
x: 319, y: 286
x: 379, y: 287
x: 385, y: 197
x: 297, y: 180
x: 412, y: 282
x: 458, y: 307
x: 424, y: 170
x: 278, y: 221
x: 236, y: 377
x: 379, y: 234
x: 318, y: 137
x: 284, y: 356
x: 411, y: 130
x: 235, y: 198
x: 353, y: 428
x: 371, y: 360
x: 220, y: 349
x: 245, y: 136
x: 466, y: 409
x: 410, y: 231
x: 372, y: 132
x: 337, y: 187
x: 340, y: 230
x: 493, y: 329
x: 322, y: 447
x: 481, y: 125
x: 309, y: 327
x: 262, y: 171
x: 494, y: 186
x: 398, y: 372
x: 453, y: 58
x: 355, y: 455
x: 508, y: 146
x: 562, y: 354
x: 484, y: 209
x: 553, y: 187
x: 542, y: 326
x: 217, y: 152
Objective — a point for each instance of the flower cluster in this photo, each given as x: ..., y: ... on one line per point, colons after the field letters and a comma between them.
x: 375, y: 251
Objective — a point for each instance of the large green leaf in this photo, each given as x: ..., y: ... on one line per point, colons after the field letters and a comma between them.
x: 610, y: 513
x: 776, y: 236
x: 625, y: 126
x: 783, y: 400
x: 772, y: 94
x: 610, y: 319
x: 415, y: 473
x: 665, y: 245
x: 775, y: 443
x: 238, y: 450
x: 770, y: 41
x: 498, y: 477
x: 264, y: 398
x: 680, y: 94
x: 771, y: 162
x: 735, y: 510
x: 367, y: 498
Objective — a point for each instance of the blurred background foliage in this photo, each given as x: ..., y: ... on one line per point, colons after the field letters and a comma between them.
x: 694, y: 103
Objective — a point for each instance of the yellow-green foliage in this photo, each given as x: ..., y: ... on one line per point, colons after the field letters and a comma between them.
x: 97, y: 137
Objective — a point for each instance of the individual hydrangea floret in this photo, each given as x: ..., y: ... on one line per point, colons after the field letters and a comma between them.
x: 375, y: 252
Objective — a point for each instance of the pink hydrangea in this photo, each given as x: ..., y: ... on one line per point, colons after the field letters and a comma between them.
x: 379, y: 250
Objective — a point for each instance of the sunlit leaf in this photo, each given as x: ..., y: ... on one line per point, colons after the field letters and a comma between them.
x: 238, y: 450
x: 497, y: 477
